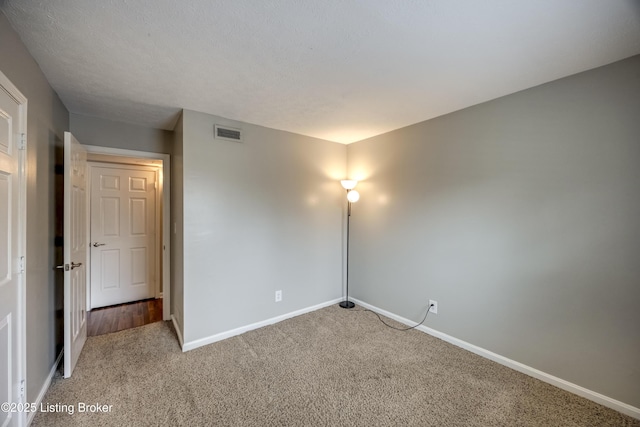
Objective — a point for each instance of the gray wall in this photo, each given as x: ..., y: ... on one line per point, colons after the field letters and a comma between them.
x: 107, y: 133
x: 259, y: 216
x: 521, y: 217
x: 47, y: 120
x: 177, y: 240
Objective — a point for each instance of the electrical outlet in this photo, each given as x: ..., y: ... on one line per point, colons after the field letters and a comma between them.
x: 278, y: 296
x: 433, y: 306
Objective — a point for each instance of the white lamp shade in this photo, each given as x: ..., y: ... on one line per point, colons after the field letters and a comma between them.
x: 349, y: 184
x: 353, y: 196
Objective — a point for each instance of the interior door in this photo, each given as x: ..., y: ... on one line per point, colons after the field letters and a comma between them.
x: 75, y: 251
x: 123, y: 234
x: 11, y: 267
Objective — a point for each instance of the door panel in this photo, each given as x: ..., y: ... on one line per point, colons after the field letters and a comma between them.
x: 138, y: 266
x: 109, y: 182
x: 138, y: 212
x: 110, y: 216
x: 123, y: 222
x: 75, y: 251
x: 5, y: 228
x: 11, y: 234
x: 110, y: 268
x: 137, y: 184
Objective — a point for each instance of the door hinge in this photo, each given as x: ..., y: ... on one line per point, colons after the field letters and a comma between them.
x: 21, y: 389
x: 21, y: 265
x: 22, y: 142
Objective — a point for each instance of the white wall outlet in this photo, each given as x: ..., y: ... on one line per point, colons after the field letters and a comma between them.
x: 278, y: 296
x: 433, y: 306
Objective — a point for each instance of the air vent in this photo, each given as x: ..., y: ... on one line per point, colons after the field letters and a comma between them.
x: 230, y: 134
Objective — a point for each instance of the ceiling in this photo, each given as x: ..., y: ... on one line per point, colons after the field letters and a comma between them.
x: 334, y: 69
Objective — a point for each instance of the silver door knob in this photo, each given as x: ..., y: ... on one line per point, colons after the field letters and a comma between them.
x: 74, y: 265
x: 96, y: 244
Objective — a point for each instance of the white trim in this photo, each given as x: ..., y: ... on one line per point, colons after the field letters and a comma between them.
x: 165, y: 188
x: 23, y: 163
x: 45, y: 388
x: 12, y: 90
x: 166, y: 212
x: 241, y: 330
x: 21, y: 317
x: 176, y: 327
x: 97, y: 149
x: 520, y: 367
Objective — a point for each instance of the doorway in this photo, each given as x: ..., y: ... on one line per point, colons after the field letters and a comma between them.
x: 124, y: 219
x: 142, y: 183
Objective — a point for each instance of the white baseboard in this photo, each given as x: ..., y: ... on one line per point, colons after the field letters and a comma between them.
x: 232, y: 333
x: 176, y: 327
x: 625, y: 408
x: 44, y: 388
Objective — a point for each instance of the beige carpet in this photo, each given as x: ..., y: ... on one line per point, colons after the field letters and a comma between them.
x: 332, y: 367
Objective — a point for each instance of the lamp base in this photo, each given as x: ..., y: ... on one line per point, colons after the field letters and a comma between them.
x: 347, y: 304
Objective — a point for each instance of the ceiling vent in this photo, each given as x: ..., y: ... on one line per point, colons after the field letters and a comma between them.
x: 230, y: 134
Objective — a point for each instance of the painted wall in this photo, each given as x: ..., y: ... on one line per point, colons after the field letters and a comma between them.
x: 107, y: 133
x: 47, y: 120
x: 521, y: 217
x: 259, y: 216
x: 177, y: 239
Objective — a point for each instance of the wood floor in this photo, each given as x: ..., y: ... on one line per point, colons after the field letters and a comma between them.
x: 125, y: 316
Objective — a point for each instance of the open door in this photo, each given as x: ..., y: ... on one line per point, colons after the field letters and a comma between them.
x: 75, y: 251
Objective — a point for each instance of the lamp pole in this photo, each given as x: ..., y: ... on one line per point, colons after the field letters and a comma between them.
x: 346, y: 303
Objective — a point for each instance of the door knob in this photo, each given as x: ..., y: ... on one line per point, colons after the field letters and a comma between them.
x: 96, y: 244
x: 74, y: 265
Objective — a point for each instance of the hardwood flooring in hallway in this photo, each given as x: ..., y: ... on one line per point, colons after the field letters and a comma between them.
x: 115, y: 318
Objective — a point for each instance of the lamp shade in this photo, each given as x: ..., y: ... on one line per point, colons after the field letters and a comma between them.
x: 353, y: 196
x: 349, y: 184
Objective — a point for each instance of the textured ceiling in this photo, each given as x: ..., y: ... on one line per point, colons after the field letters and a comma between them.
x: 334, y: 69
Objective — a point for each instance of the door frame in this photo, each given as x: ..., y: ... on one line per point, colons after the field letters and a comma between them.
x: 165, y: 194
x: 21, y: 339
x: 92, y: 164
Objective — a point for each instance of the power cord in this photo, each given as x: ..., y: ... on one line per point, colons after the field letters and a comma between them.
x: 400, y: 329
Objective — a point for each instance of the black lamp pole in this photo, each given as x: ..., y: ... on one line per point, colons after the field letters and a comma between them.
x: 346, y: 303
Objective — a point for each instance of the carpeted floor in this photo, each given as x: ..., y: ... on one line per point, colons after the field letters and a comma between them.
x: 332, y: 367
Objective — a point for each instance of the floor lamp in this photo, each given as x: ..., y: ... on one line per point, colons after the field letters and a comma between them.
x: 352, y: 197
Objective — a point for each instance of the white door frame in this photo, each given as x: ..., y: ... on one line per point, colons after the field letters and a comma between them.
x: 157, y: 290
x: 165, y: 184
x: 21, y: 339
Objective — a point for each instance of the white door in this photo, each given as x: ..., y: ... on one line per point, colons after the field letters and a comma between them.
x: 75, y: 251
x: 123, y: 237
x: 11, y: 268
